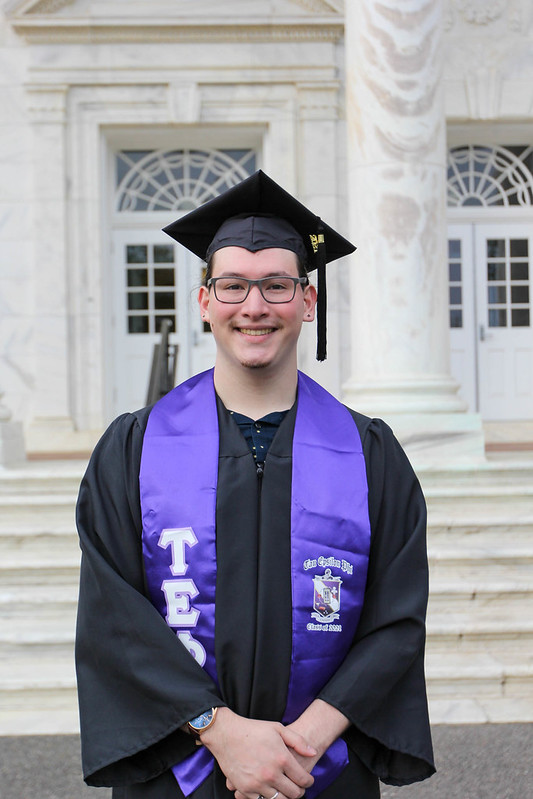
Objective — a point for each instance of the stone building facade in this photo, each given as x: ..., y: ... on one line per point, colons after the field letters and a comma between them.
x: 117, y: 116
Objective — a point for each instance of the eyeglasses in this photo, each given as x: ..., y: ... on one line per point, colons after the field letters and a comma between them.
x: 273, y: 289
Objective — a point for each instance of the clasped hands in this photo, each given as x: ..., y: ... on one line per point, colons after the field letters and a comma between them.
x: 261, y: 758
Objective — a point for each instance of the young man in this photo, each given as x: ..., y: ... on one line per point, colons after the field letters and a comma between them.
x: 254, y: 574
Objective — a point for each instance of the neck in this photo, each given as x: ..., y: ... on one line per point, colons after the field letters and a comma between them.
x: 256, y: 392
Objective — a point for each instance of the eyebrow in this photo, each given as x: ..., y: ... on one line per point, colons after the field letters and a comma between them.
x: 270, y: 274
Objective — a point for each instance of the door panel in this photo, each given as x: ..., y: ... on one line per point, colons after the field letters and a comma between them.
x: 463, y: 364
x: 153, y: 279
x: 503, y: 282
x: 491, y: 339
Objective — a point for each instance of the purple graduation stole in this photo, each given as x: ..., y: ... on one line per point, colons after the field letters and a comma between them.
x: 330, y: 542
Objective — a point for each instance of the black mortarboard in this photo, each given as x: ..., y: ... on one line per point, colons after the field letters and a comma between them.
x: 258, y: 214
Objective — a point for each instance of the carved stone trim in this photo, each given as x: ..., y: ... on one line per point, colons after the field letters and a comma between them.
x: 66, y: 31
x: 481, y: 12
x: 49, y: 6
x: 314, y: 6
x: 320, y: 6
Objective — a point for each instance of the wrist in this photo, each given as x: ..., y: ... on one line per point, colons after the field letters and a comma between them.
x: 211, y: 733
x: 320, y: 725
x: 198, y: 725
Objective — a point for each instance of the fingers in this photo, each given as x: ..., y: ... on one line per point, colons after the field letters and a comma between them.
x: 295, y: 741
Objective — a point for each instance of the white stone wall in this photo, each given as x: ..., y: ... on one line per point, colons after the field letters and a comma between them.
x: 17, y: 255
x: 77, y: 78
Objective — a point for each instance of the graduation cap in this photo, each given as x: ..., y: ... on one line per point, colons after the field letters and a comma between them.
x: 258, y: 214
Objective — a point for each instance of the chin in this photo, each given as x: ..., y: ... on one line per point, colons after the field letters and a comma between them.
x: 255, y: 364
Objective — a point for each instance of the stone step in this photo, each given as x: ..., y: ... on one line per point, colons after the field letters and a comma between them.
x: 475, y: 687
x: 50, y: 477
x: 13, y: 574
x: 448, y: 672
x: 464, y: 478
x: 467, y: 522
x: 20, y: 600
x: 54, y: 670
x: 42, y: 629
x: 38, y: 690
x: 41, y: 711
x: 50, y: 510
x: 449, y: 596
x: 48, y: 546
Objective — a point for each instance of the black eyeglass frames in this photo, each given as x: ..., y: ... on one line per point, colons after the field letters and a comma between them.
x: 276, y: 289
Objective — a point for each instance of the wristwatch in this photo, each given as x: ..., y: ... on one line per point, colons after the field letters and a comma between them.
x: 202, y: 722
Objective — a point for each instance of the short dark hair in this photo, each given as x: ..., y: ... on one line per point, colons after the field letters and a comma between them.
x: 302, y: 268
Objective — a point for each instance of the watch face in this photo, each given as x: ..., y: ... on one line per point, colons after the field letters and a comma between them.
x: 202, y: 721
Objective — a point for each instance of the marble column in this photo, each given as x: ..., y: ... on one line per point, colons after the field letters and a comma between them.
x: 51, y: 420
x: 12, y: 451
x: 396, y: 179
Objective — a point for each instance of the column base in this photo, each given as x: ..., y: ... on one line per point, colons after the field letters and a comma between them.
x: 57, y: 436
x: 12, y: 451
x: 427, y: 417
x: 439, y: 439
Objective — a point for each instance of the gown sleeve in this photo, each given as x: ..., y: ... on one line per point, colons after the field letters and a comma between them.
x: 137, y: 684
x: 380, y: 686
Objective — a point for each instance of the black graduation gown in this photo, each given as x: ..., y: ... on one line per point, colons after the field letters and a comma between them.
x: 138, y: 685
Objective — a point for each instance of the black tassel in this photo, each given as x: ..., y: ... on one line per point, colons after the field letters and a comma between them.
x: 322, y: 303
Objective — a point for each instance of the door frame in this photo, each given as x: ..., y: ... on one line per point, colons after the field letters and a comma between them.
x: 196, y: 351
x: 468, y: 218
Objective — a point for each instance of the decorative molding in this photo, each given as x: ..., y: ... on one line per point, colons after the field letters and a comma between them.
x: 516, y: 14
x: 163, y: 180
x: 488, y: 176
x: 481, y: 12
x: 321, y: 6
x: 484, y: 90
x: 47, y: 104
x: 319, y: 101
x: 49, y: 6
x: 67, y: 31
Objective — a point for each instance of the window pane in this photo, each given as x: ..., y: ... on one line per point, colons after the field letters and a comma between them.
x: 496, y: 271
x: 164, y: 277
x: 137, y: 277
x: 496, y: 248
x: 138, y: 301
x: 164, y: 300
x: 159, y: 319
x: 163, y: 253
x: 520, y: 317
x: 455, y: 295
x: 497, y: 317
x: 454, y: 248
x: 136, y: 254
x: 455, y: 272
x: 520, y: 271
x: 456, y: 318
x: 497, y: 294
x: 519, y: 294
x: 519, y: 248
x: 138, y: 324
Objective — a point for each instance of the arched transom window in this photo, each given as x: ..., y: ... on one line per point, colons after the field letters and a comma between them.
x: 177, y: 180
x: 490, y: 176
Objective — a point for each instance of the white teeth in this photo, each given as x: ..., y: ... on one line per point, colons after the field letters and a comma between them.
x: 250, y: 332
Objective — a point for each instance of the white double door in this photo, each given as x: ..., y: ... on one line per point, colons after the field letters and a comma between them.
x: 490, y: 270
x: 153, y: 278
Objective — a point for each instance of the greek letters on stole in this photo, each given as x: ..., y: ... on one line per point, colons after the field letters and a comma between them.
x: 330, y: 541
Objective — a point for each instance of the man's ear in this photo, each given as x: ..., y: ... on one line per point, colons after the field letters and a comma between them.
x: 309, y: 302
x: 203, y: 302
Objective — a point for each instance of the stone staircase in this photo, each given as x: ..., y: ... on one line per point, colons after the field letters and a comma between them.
x: 480, y: 620
x: 39, y: 568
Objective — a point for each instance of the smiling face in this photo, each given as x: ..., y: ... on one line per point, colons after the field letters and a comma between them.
x: 256, y: 334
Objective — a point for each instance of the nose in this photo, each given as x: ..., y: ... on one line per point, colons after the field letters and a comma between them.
x: 255, y: 303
